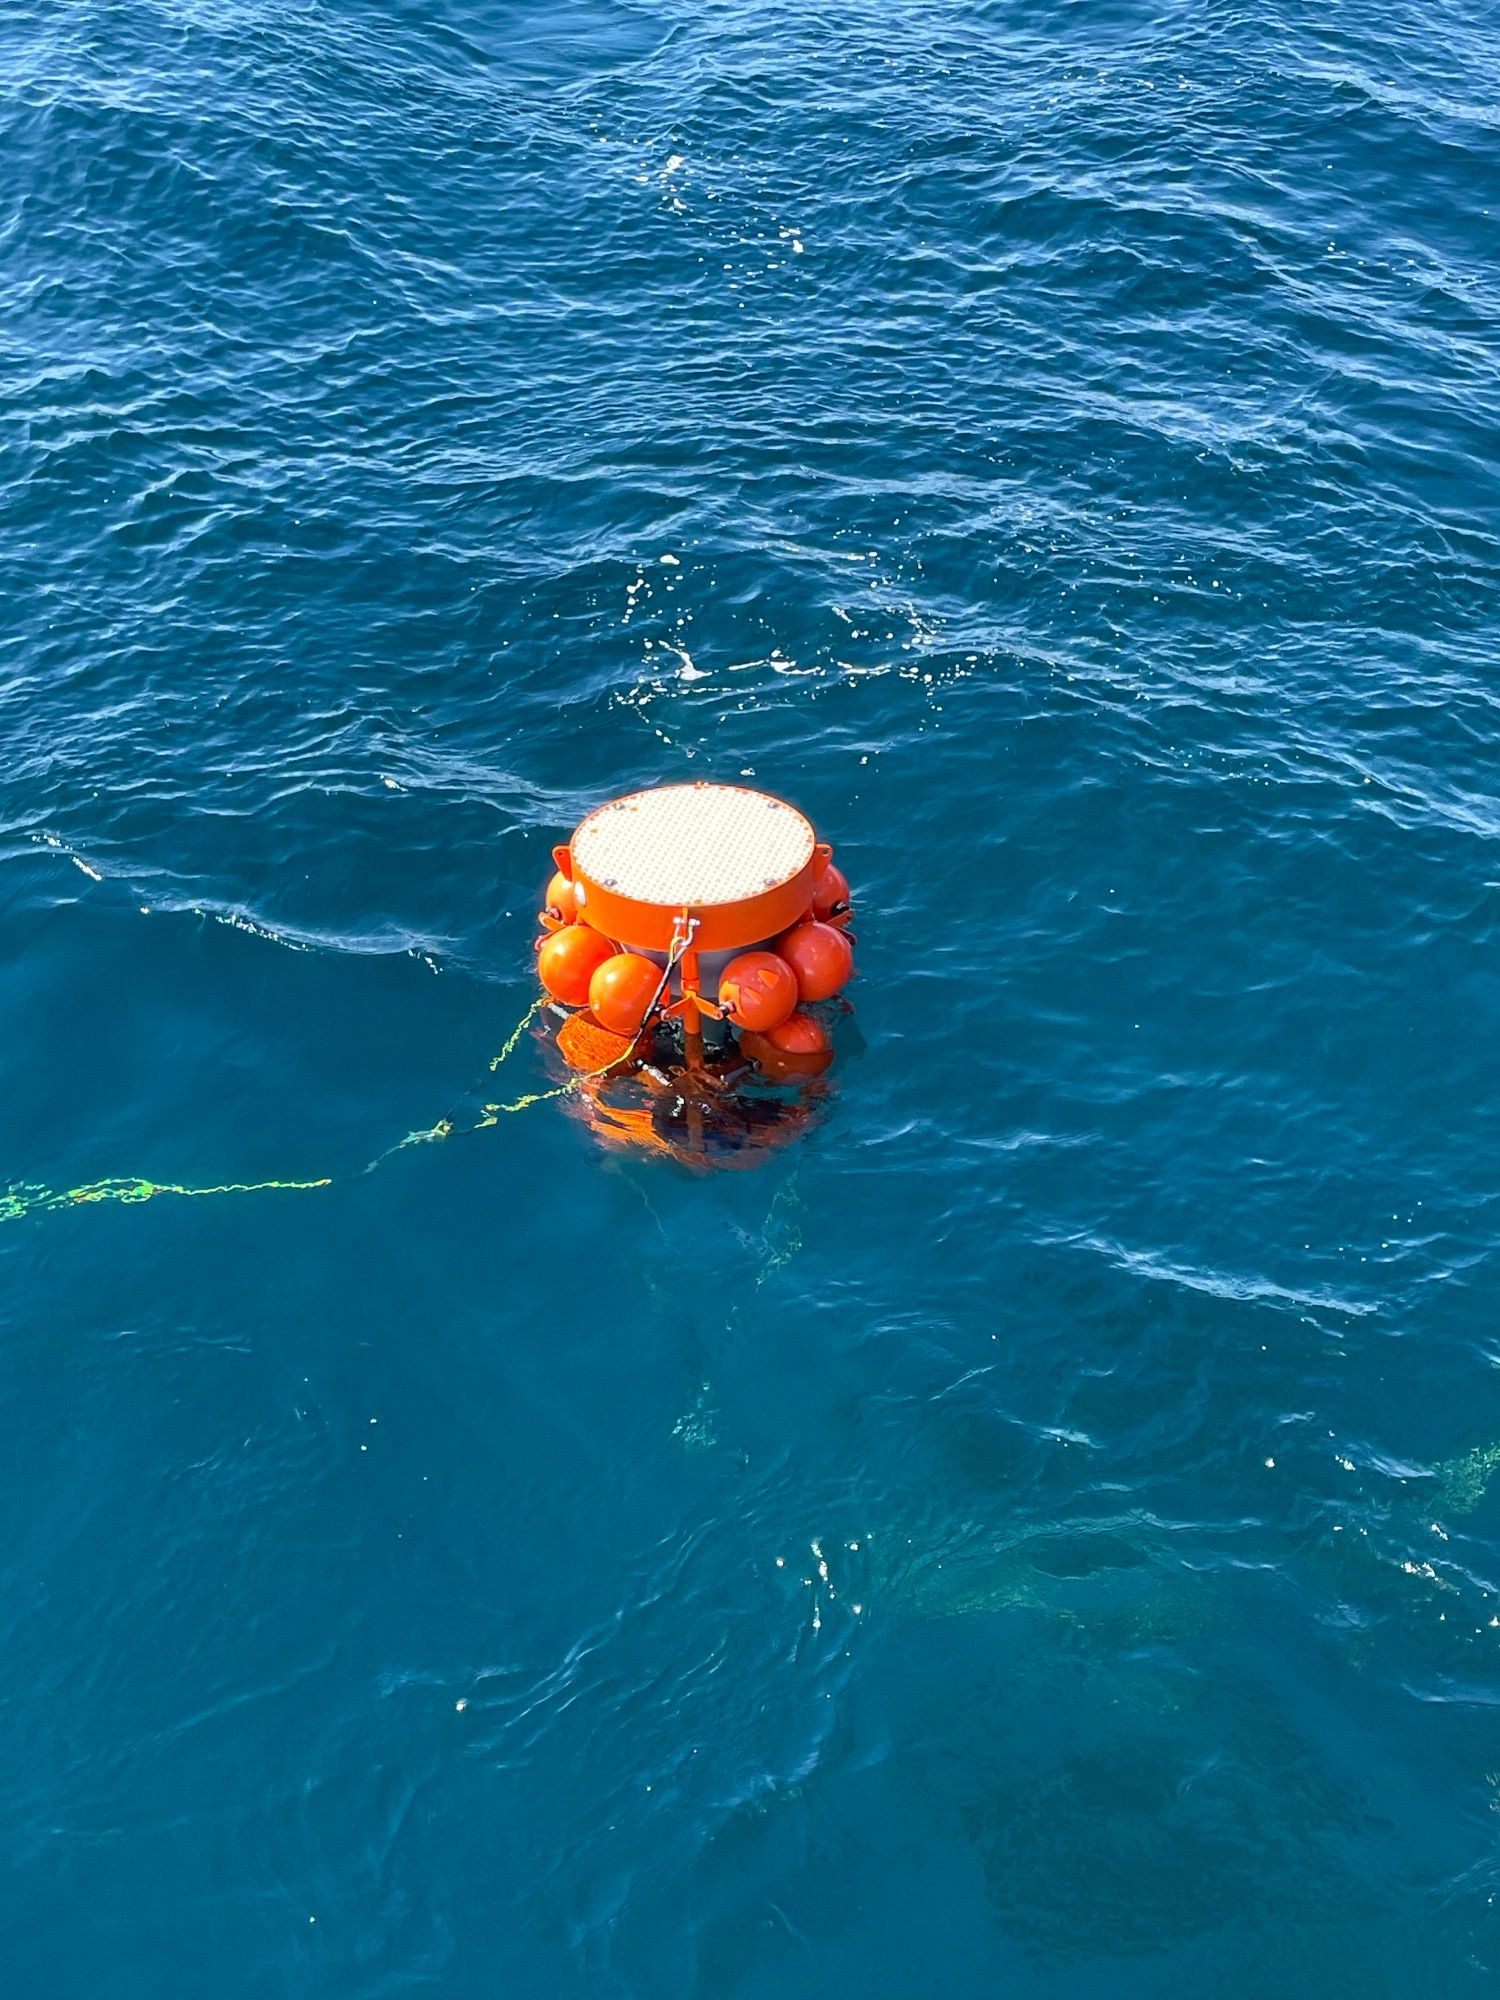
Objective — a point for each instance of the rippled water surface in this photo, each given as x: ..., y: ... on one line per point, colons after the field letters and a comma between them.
x: 1035, y: 1535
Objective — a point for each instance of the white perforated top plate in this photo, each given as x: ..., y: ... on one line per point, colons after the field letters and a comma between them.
x: 693, y: 844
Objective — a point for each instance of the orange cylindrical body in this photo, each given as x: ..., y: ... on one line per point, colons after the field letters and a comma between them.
x: 769, y: 900
x: 721, y: 927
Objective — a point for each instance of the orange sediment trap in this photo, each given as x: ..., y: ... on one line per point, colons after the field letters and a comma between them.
x: 689, y: 924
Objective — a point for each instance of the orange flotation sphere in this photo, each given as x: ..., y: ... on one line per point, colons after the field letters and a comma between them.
x: 568, y: 960
x: 621, y: 990
x: 800, y: 1034
x: 758, y: 990
x: 831, y: 895
x: 562, y: 899
x: 821, y: 957
x: 799, y: 1047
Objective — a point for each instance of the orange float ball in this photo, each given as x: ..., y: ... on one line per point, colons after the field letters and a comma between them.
x: 567, y: 962
x: 800, y: 1047
x: 830, y: 896
x: 621, y: 991
x: 821, y: 957
x: 800, y: 1034
x: 757, y: 990
x: 562, y: 901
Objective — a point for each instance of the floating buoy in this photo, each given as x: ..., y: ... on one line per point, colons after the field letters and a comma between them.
x: 820, y: 956
x: 694, y: 924
x: 800, y: 1034
x: 800, y: 1046
x: 757, y: 990
x: 561, y: 904
x: 830, y: 897
x: 568, y: 960
x: 622, y: 990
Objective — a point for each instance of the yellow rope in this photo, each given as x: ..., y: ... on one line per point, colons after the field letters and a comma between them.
x: 30, y: 1198
x: 491, y: 1114
x: 520, y: 1028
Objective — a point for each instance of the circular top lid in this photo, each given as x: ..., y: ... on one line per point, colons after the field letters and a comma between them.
x: 693, y: 845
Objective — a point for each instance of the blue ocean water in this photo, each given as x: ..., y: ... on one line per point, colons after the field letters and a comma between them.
x: 1037, y: 1533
